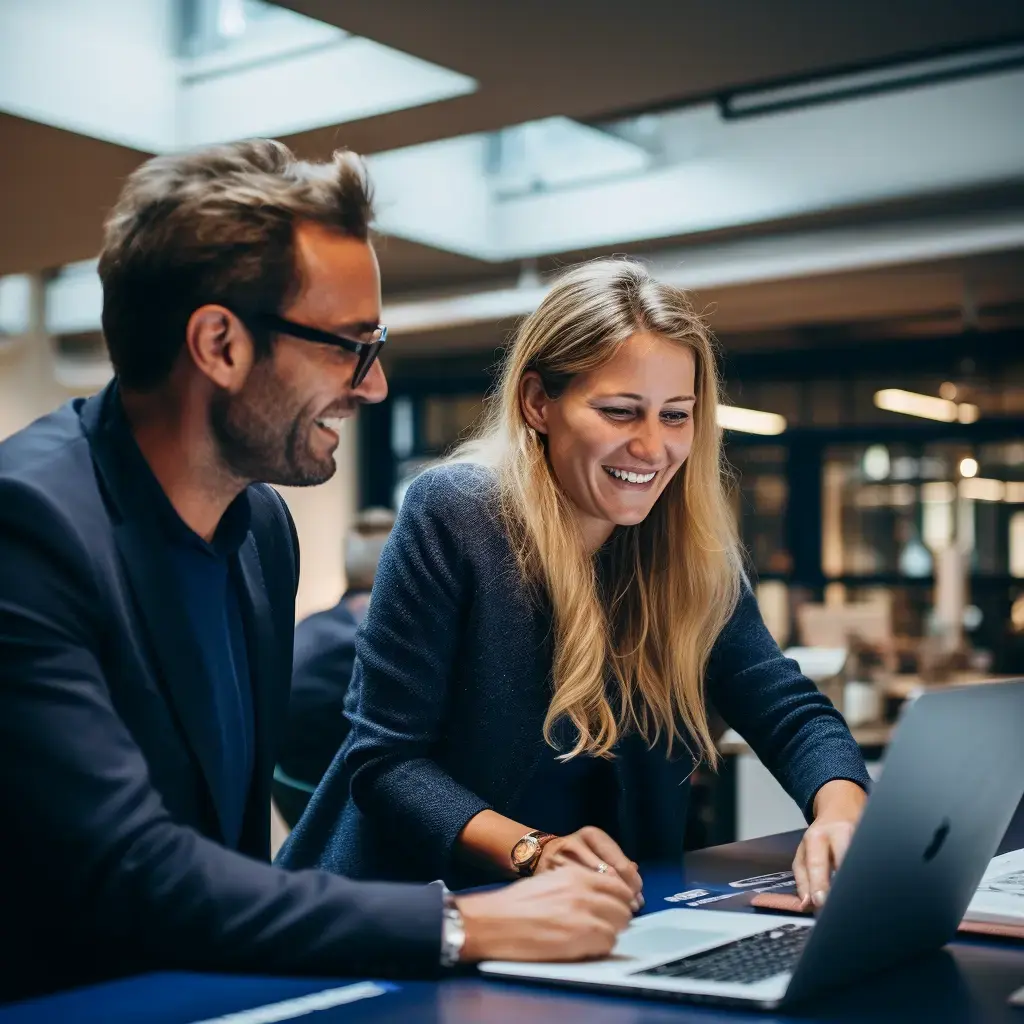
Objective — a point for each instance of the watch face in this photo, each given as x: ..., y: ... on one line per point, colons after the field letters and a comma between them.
x: 524, y: 850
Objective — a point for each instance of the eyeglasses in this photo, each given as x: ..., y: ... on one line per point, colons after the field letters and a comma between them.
x: 367, y: 351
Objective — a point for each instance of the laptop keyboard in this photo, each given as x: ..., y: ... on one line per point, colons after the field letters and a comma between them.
x: 743, y: 962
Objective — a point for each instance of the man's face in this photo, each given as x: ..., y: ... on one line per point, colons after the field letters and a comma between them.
x: 281, y: 427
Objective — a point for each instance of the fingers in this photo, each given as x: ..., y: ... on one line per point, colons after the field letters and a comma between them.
x: 800, y: 874
x: 818, y: 857
x: 819, y: 864
x: 611, y: 909
x: 576, y: 849
x: 610, y: 852
x: 612, y: 886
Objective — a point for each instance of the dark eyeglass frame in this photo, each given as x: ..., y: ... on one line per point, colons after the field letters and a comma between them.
x: 366, y: 351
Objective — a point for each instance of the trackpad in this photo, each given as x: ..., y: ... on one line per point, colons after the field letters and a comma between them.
x: 641, y: 943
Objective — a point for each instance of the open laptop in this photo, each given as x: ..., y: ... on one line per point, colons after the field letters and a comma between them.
x: 952, y: 778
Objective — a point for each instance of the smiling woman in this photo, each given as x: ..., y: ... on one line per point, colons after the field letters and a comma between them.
x: 614, y: 376
x: 618, y: 434
x: 556, y: 607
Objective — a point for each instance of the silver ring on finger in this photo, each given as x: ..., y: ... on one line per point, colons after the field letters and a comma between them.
x: 601, y: 868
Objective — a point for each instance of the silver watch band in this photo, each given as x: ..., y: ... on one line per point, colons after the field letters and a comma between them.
x: 453, y: 931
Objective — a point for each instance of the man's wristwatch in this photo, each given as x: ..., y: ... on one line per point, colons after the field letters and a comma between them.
x: 453, y: 931
x: 527, y: 851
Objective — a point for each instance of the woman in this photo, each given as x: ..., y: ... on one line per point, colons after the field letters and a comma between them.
x: 554, y: 611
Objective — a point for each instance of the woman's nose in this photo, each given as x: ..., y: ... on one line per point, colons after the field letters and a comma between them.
x: 645, y: 442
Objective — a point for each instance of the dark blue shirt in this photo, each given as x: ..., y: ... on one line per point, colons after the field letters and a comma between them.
x: 206, y: 575
x: 206, y: 581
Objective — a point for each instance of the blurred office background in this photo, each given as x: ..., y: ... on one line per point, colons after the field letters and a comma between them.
x: 840, y: 184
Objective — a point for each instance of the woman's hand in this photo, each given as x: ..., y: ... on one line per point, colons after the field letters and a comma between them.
x: 591, y: 848
x: 837, y: 808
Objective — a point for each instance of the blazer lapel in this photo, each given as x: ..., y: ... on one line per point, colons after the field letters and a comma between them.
x: 151, y: 576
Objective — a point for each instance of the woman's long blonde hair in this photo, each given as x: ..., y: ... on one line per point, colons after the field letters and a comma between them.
x: 675, y: 578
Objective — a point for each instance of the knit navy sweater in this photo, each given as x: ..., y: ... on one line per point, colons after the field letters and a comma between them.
x: 451, y: 685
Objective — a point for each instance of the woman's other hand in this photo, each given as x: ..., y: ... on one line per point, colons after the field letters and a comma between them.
x: 837, y: 809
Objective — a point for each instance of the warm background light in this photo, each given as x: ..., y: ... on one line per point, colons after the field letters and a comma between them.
x: 910, y: 403
x: 968, y: 467
x: 750, y: 421
x: 982, y: 489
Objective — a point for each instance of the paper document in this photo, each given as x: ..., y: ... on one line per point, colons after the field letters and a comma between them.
x: 1000, y: 896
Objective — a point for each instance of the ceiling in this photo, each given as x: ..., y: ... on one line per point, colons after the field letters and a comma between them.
x: 583, y: 58
x: 930, y: 299
x: 593, y: 58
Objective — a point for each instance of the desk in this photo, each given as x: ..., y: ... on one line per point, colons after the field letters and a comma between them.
x: 968, y: 981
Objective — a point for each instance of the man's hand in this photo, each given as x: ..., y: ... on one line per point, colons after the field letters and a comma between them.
x: 590, y: 848
x: 569, y: 914
x: 837, y: 809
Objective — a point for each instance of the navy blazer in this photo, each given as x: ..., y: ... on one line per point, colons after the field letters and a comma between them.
x: 450, y: 690
x: 110, y: 858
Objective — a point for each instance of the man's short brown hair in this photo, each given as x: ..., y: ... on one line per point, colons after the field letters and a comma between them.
x: 214, y: 226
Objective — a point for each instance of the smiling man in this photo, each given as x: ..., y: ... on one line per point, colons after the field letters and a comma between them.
x: 147, y: 600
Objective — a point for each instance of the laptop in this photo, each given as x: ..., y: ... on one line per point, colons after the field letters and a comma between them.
x: 952, y: 779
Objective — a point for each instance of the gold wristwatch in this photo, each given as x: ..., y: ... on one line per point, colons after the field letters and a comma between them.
x: 527, y: 851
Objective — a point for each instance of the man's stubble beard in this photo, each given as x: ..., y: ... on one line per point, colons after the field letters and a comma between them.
x: 262, y: 434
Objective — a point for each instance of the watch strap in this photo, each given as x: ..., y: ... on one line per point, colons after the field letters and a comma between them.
x: 453, y: 931
x: 542, y: 839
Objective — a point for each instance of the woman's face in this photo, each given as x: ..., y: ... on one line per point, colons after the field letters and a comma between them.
x: 618, y: 434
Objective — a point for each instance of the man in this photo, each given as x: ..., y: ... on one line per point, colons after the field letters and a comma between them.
x: 147, y: 589
x: 325, y: 652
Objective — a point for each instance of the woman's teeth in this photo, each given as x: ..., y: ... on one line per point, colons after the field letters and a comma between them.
x: 633, y: 478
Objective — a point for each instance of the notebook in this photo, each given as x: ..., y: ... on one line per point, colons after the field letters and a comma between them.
x: 1000, y: 896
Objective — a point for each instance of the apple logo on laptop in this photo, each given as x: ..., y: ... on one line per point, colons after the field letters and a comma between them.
x: 937, y: 840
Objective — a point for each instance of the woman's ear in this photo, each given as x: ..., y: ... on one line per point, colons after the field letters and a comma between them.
x: 533, y: 400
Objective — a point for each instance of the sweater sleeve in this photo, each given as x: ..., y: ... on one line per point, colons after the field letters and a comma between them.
x: 405, y: 656
x: 792, y: 727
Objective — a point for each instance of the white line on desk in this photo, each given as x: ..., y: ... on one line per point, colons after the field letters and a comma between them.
x: 291, y: 1008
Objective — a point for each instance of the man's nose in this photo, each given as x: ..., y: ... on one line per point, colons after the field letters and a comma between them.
x: 374, y: 386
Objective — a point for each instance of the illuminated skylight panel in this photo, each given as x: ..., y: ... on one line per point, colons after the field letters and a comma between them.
x: 233, y: 69
x: 557, y: 152
x: 254, y: 68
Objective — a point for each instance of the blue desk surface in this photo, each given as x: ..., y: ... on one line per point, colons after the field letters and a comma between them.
x: 970, y: 980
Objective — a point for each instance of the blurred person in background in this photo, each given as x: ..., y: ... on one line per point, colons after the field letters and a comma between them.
x: 555, y: 610
x: 147, y: 606
x: 325, y: 650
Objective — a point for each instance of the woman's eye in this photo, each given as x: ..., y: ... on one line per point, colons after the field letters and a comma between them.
x: 617, y: 413
x: 675, y: 418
